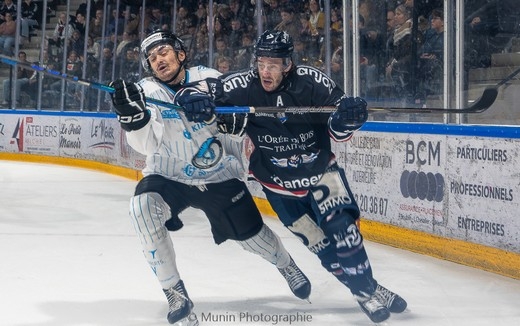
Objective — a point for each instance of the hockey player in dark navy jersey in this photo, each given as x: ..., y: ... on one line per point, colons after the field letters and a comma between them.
x: 293, y: 161
x: 173, y: 181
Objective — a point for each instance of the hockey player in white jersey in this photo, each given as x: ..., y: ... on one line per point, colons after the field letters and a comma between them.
x: 177, y: 176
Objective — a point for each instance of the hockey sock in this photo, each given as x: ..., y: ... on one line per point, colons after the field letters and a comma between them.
x: 351, y: 253
x: 267, y: 245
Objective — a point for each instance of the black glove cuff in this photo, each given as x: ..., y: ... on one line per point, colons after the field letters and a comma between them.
x: 134, y: 122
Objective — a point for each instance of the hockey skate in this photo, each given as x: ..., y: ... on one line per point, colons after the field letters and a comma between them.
x: 370, y: 305
x: 391, y: 300
x: 298, y: 282
x: 180, y: 306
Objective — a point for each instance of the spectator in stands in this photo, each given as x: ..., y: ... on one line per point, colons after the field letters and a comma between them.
x: 128, y: 40
x: 305, y: 30
x: 131, y: 64
x: 372, y: 58
x: 79, y: 23
x: 201, y: 54
x: 235, y: 36
x: 244, y: 54
x: 185, y: 25
x: 399, y: 68
x: 224, y: 64
x: 336, y: 22
x: 93, y: 48
x: 300, y: 54
x: 201, y: 14
x: 316, y: 19
x: 290, y: 22
x: 108, y: 65
x: 7, y: 7
x: 317, y: 26
x: 219, y: 32
x: 110, y: 41
x: 96, y: 25
x: 22, y: 79
x: 7, y: 34
x: 481, y: 26
x: 76, y: 42
x: 62, y: 31
x: 390, y: 27
x: 272, y: 14
x: 158, y: 20
x: 336, y: 66
x: 224, y: 15
x: 94, y: 6
x: 222, y: 49
x: 29, y: 16
x: 116, y: 23
x: 431, y: 56
x: 72, y: 68
x: 31, y: 88
x: 131, y: 22
x: 241, y: 10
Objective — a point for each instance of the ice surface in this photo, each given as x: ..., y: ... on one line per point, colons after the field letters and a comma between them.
x: 70, y: 258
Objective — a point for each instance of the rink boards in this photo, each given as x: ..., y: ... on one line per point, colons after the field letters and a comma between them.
x: 447, y: 191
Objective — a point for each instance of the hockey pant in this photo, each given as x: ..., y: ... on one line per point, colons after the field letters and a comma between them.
x: 229, y: 207
x: 325, y: 221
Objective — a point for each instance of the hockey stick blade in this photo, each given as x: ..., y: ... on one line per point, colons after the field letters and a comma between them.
x: 485, y: 101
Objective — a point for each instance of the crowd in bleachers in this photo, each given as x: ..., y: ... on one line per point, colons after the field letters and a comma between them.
x: 401, y: 43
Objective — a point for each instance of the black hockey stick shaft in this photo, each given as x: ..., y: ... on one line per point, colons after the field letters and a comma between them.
x: 508, y: 78
x: 483, y: 103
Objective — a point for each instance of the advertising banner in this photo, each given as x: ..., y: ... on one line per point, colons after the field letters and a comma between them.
x: 458, y: 187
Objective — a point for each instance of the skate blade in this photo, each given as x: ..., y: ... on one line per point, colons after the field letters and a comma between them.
x: 191, y: 320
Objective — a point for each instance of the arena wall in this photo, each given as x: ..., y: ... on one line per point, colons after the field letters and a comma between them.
x: 450, y: 192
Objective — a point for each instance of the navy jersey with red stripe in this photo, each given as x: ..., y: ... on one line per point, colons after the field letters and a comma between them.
x: 291, y: 150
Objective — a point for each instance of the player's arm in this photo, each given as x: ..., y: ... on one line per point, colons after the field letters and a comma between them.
x: 143, y: 128
x: 130, y: 105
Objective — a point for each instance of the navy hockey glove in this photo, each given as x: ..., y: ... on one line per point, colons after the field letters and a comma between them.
x: 198, y: 106
x: 234, y: 123
x: 350, y: 115
x: 130, y: 105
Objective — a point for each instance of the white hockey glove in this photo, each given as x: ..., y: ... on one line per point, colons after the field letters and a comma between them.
x: 197, y: 106
x: 350, y: 115
x: 130, y: 105
x: 233, y: 124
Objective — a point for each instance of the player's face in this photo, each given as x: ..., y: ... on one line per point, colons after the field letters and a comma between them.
x: 164, y: 61
x: 271, y: 72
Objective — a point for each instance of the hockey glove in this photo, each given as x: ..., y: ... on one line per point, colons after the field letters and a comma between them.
x: 212, y: 86
x: 130, y: 105
x: 234, y: 124
x: 198, y: 106
x: 350, y: 115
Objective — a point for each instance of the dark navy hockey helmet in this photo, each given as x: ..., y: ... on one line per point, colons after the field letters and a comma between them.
x: 274, y: 44
x: 156, y: 38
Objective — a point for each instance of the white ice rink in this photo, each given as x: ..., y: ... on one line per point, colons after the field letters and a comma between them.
x: 70, y: 258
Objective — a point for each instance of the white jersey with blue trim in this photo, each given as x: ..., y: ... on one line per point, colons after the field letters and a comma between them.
x: 170, y: 141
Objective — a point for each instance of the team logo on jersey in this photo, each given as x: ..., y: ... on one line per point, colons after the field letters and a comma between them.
x: 294, y: 161
x: 209, y: 154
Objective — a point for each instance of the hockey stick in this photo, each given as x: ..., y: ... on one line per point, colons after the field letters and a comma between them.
x: 483, y: 103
